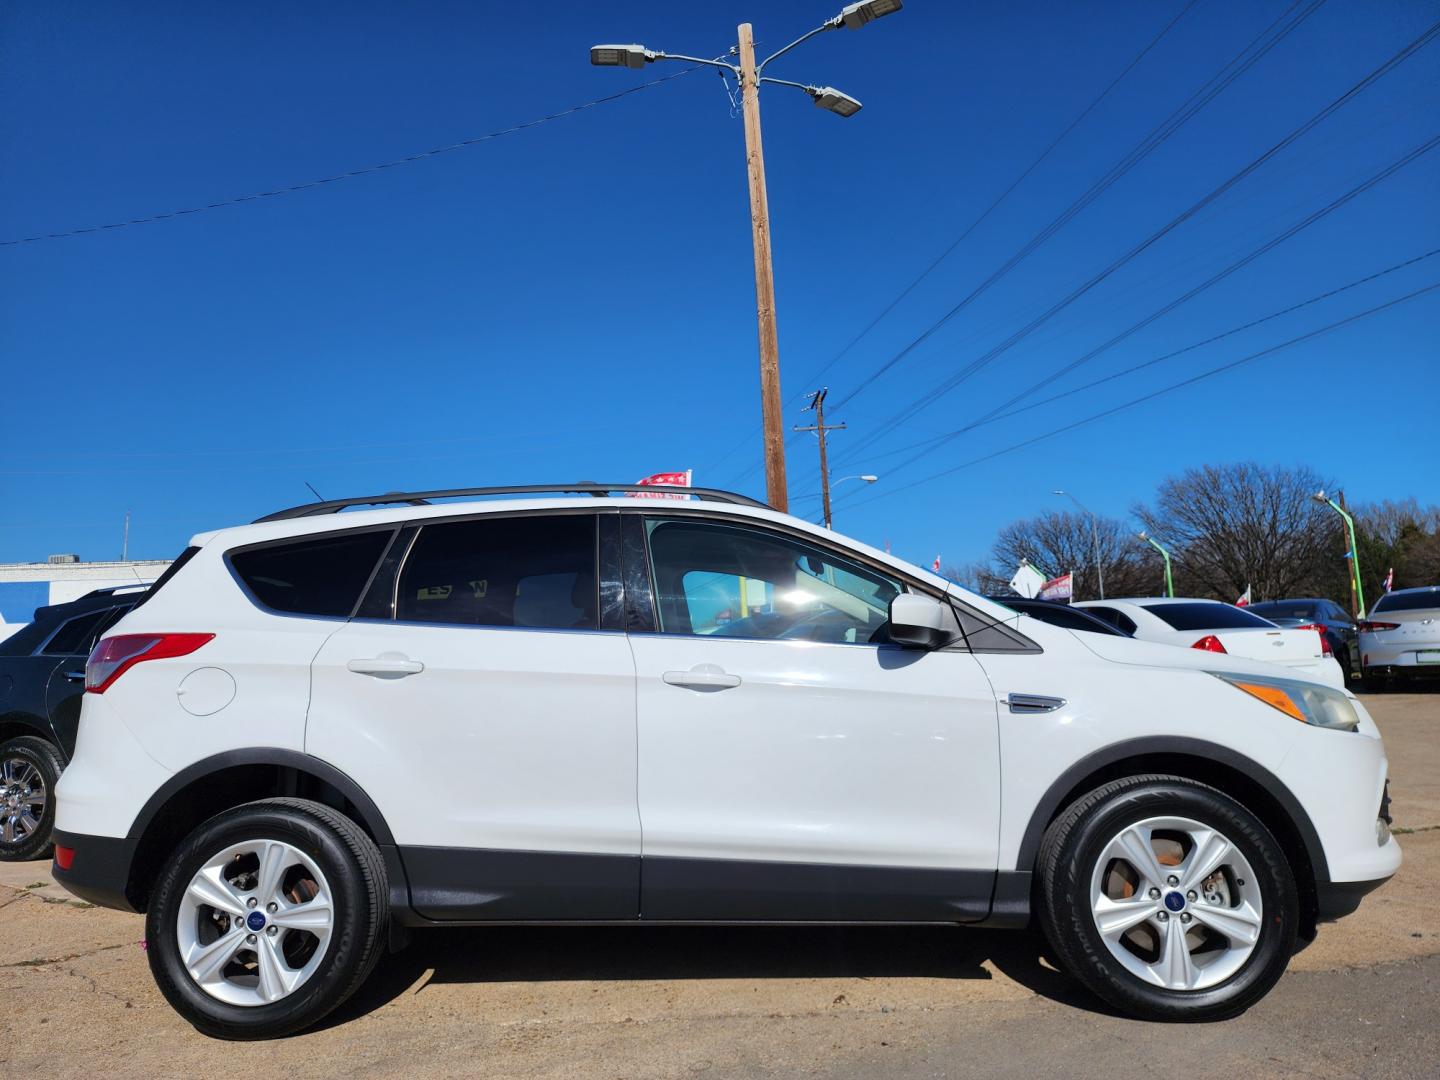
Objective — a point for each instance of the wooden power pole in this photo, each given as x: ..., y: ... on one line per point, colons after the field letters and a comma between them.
x: 817, y: 403
x: 775, y: 489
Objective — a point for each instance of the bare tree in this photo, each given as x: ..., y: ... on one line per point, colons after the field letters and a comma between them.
x: 1401, y: 535
x: 1230, y: 527
x: 1059, y: 542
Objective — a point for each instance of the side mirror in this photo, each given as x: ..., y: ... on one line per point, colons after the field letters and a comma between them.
x: 920, y: 622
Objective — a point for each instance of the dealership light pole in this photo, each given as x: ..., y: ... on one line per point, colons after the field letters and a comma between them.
x: 1094, y: 538
x: 1169, y: 581
x: 1357, y: 591
x: 750, y: 75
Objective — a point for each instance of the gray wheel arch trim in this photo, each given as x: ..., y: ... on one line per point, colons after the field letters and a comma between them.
x: 371, y: 818
x: 1050, y: 803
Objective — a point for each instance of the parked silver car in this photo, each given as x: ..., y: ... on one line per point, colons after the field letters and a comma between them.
x: 1401, y: 638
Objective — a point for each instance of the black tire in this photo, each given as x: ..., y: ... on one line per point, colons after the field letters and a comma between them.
x: 45, y: 767
x: 1075, y: 842
x: 355, y: 871
x: 1343, y: 658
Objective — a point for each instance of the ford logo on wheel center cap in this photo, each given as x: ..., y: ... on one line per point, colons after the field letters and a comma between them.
x: 256, y: 919
x: 1173, y: 900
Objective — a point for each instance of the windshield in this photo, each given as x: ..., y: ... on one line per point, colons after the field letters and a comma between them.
x: 1202, y: 616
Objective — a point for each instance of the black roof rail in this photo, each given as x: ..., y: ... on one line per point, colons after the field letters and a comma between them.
x: 586, y: 487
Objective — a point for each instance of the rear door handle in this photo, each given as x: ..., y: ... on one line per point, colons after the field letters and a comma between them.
x: 394, y: 667
x: 702, y: 677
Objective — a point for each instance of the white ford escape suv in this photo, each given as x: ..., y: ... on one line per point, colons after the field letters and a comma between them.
x: 322, y: 726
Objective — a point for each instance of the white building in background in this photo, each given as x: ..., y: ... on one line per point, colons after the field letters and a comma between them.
x: 27, y: 586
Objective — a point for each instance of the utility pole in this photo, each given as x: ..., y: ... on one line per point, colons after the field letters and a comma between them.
x: 125, y: 544
x: 750, y: 75
x: 817, y: 403
x: 776, y: 492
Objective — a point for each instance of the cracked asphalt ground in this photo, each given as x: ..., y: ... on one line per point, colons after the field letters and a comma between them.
x: 1364, y: 999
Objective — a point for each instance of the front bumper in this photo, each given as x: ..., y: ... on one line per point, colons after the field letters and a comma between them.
x: 1336, y: 899
x: 99, y: 869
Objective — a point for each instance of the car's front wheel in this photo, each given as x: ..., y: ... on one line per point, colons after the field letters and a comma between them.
x: 1168, y: 899
x: 266, y: 918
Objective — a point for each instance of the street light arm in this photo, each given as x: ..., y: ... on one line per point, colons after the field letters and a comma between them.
x: 733, y: 69
x: 830, y: 24
x: 786, y: 82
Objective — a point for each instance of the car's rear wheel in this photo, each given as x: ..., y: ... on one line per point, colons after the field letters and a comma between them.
x: 29, y: 768
x: 1168, y: 899
x: 266, y: 918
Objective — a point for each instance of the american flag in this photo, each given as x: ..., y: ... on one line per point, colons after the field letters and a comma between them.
x: 662, y: 479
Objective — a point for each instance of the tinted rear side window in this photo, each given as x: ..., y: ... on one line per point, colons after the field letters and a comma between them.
x: 1070, y: 619
x: 1117, y: 619
x: 312, y: 577
x: 536, y: 572
x: 76, y: 635
x: 1416, y: 601
x: 1206, y: 617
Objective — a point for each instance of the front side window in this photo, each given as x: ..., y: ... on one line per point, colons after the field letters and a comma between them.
x: 721, y: 580
x: 323, y: 576
x: 536, y: 572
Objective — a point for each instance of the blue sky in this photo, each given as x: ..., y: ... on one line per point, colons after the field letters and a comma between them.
x: 576, y: 300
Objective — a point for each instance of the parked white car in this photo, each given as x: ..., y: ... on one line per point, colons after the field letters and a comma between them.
x: 1218, y: 627
x: 1401, y: 638
x: 322, y: 728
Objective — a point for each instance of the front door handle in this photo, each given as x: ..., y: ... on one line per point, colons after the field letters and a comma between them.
x: 390, y: 666
x: 706, y: 677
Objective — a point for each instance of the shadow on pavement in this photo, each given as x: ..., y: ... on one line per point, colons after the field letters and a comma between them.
x: 622, y: 953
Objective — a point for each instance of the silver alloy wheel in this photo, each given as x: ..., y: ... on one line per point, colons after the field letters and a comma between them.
x: 255, y: 922
x: 22, y: 800
x: 1176, y: 903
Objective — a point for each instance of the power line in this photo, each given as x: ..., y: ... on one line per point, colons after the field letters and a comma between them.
x: 1245, y: 260
x: 1212, y: 88
x: 1157, y: 393
x: 351, y: 174
x: 947, y: 385
x: 943, y: 437
x: 985, y: 214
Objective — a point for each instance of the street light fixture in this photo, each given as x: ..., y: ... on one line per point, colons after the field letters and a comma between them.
x: 855, y: 16
x: 631, y: 56
x: 827, y: 97
x: 1359, y: 590
x: 869, y: 478
x: 1169, y: 581
x: 1094, y: 538
x: 749, y: 76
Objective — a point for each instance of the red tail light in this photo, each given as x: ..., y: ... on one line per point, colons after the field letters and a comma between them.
x: 113, y: 656
x: 1210, y: 643
x: 1325, y: 649
x: 1371, y: 627
x: 64, y: 856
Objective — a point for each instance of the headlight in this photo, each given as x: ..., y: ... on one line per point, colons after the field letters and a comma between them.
x: 1309, y: 703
